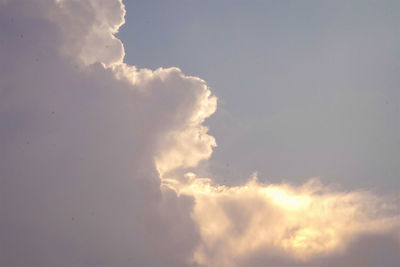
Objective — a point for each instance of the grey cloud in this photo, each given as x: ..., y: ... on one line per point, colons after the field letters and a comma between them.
x: 78, y: 182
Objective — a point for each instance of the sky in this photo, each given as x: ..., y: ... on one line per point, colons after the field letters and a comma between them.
x: 305, y: 88
x: 199, y: 133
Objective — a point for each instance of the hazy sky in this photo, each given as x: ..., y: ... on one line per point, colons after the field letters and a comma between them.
x: 112, y: 161
x: 306, y: 88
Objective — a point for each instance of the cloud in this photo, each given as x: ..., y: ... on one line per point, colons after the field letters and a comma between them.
x: 78, y: 138
x: 283, y: 223
x: 92, y: 153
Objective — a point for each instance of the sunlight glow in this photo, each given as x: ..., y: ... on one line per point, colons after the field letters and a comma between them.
x: 303, y: 222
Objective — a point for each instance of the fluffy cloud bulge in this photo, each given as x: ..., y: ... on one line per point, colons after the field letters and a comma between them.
x: 98, y: 162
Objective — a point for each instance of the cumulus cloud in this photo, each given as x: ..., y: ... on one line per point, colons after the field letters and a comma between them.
x: 92, y: 152
x: 78, y: 138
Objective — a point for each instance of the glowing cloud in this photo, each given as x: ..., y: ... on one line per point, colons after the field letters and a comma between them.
x: 299, y: 222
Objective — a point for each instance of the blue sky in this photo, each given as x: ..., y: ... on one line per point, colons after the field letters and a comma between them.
x: 306, y: 88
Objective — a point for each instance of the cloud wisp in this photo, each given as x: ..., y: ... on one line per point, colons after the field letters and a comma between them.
x: 95, y: 157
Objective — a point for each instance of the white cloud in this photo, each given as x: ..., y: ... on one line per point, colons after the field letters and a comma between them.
x: 78, y: 182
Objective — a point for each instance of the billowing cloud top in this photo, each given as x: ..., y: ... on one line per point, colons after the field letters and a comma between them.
x: 95, y: 157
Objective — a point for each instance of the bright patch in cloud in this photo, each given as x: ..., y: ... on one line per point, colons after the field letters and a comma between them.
x: 300, y: 222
